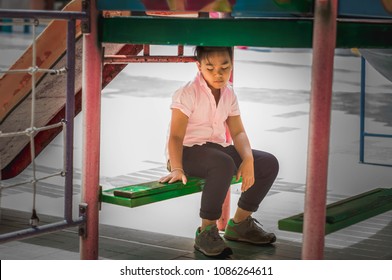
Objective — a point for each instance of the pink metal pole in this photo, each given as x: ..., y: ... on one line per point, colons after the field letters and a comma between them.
x: 324, y: 41
x: 92, y: 74
x: 222, y: 222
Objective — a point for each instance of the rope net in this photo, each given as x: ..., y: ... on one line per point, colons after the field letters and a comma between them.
x: 32, y: 130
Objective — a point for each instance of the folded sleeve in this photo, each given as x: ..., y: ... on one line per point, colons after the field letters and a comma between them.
x: 184, y: 101
x: 235, y: 108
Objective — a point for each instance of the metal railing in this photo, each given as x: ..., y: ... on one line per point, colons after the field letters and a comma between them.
x: 363, y: 132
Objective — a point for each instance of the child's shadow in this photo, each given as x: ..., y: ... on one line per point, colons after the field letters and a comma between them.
x: 240, y: 251
x: 225, y: 255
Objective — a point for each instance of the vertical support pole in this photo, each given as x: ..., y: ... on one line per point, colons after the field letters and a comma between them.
x: 92, y: 75
x: 362, y: 112
x: 180, y: 50
x: 69, y: 116
x: 146, y: 49
x: 222, y: 222
x: 225, y: 216
x: 324, y: 41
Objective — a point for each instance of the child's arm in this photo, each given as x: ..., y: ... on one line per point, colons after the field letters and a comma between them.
x: 179, y: 122
x: 242, y: 145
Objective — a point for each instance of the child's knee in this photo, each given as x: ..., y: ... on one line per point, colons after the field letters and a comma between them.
x: 274, y: 164
x: 267, y: 166
x: 222, y: 166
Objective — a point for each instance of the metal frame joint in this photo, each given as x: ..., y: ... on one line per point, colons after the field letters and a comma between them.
x: 82, y: 231
x: 86, y: 23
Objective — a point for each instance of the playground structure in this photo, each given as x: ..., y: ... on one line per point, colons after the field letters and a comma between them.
x: 283, y: 28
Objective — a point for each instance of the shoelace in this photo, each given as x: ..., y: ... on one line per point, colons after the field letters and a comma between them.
x: 255, y: 222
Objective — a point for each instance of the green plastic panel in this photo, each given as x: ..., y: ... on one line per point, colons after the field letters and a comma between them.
x: 208, y: 32
x: 247, y: 8
x: 304, y: 6
x: 242, y: 7
x: 262, y: 32
x: 346, y: 212
x: 151, y: 192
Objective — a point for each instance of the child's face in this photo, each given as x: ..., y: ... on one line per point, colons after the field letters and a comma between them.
x: 216, y: 69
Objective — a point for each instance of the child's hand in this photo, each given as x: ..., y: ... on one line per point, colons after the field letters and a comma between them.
x: 246, y: 171
x: 174, y: 176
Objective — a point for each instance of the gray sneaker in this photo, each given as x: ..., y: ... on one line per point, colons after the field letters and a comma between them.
x: 209, y: 242
x: 249, y: 231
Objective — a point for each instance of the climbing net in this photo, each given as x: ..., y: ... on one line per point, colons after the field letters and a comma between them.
x: 32, y: 130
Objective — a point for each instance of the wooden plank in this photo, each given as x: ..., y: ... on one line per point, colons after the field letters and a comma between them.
x: 15, y: 151
x: 50, y: 45
x: 346, y: 212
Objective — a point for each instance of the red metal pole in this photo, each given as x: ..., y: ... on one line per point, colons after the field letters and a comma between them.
x: 324, y: 41
x: 222, y: 222
x: 92, y: 75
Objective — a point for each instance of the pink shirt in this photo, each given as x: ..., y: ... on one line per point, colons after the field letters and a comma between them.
x: 207, y: 122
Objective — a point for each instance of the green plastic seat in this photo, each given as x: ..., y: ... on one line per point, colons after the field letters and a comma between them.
x: 151, y: 192
x: 346, y: 212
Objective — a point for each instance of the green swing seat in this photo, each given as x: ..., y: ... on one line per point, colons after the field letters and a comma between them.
x: 346, y: 212
x: 150, y: 192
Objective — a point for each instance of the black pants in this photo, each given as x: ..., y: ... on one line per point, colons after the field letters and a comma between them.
x: 217, y: 165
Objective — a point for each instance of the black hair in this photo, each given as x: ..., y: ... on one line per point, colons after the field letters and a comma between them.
x: 202, y: 52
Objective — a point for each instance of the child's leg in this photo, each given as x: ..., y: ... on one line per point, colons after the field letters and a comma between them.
x: 241, y: 215
x: 217, y: 168
x: 266, y: 169
x: 243, y: 227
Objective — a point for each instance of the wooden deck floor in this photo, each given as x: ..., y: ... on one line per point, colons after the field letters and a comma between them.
x: 117, y: 243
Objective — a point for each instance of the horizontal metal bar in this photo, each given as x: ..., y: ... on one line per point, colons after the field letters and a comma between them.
x: 376, y: 164
x: 378, y: 135
x: 366, y: 20
x: 121, y: 59
x: 19, y: 13
x: 40, y: 230
x: 293, y: 32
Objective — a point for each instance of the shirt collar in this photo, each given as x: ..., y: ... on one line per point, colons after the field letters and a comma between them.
x: 201, y: 82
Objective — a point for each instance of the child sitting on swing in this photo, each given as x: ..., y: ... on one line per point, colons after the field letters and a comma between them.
x: 197, y: 146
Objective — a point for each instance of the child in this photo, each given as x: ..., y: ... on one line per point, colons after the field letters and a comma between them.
x: 197, y: 146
